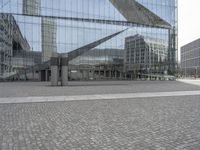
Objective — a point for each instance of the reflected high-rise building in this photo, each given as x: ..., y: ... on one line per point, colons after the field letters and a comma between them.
x: 31, y: 7
x: 48, y: 28
x: 90, y: 31
x: 48, y: 38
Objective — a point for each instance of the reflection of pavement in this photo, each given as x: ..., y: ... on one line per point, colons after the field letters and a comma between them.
x: 164, y: 116
x: 190, y: 81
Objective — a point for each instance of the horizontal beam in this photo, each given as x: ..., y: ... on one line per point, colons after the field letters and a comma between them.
x: 113, y: 22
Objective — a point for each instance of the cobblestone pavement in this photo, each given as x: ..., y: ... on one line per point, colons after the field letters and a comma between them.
x: 24, y: 89
x: 166, y: 123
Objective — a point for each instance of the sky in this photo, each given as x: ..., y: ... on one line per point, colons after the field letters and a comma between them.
x: 188, y: 21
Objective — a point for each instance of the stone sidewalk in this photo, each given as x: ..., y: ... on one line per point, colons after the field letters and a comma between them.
x: 166, y: 119
x: 162, y: 123
x: 26, y: 89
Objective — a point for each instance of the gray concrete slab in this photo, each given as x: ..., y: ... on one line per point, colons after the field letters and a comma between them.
x: 163, y: 123
x: 28, y: 89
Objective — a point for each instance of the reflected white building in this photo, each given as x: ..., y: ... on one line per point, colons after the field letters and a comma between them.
x: 145, y: 53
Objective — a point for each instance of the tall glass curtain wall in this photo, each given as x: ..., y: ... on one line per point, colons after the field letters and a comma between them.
x: 46, y: 26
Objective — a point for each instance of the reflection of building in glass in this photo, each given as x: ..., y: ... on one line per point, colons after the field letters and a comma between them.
x: 31, y: 7
x: 99, y: 56
x: 12, y: 42
x: 190, y: 58
x: 5, y: 45
x: 48, y: 38
x: 98, y: 64
x: 133, y: 11
x: 15, y: 53
x: 145, y: 54
x: 90, y: 32
x: 24, y: 59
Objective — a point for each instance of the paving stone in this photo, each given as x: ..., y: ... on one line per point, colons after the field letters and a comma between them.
x: 162, y: 123
x: 26, y: 89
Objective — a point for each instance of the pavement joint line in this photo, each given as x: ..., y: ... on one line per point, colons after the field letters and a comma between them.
x: 10, y: 100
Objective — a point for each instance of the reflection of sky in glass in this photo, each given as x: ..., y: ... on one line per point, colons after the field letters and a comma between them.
x: 73, y: 34
x: 30, y: 28
x: 98, y: 9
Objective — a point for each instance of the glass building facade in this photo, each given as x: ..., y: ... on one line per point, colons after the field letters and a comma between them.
x: 97, y: 30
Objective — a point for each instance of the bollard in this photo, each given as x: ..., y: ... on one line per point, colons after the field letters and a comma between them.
x: 64, y: 69
x: 54, y: 69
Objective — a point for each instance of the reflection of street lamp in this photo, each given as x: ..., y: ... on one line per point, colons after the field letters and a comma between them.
x: 148, y: 72
x: 195, y: 72
x: 185, y: 69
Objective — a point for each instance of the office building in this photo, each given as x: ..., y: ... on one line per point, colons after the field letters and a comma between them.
x: 190, y: 59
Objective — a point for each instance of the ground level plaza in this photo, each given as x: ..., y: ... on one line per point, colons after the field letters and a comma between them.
x: 156, y: 115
